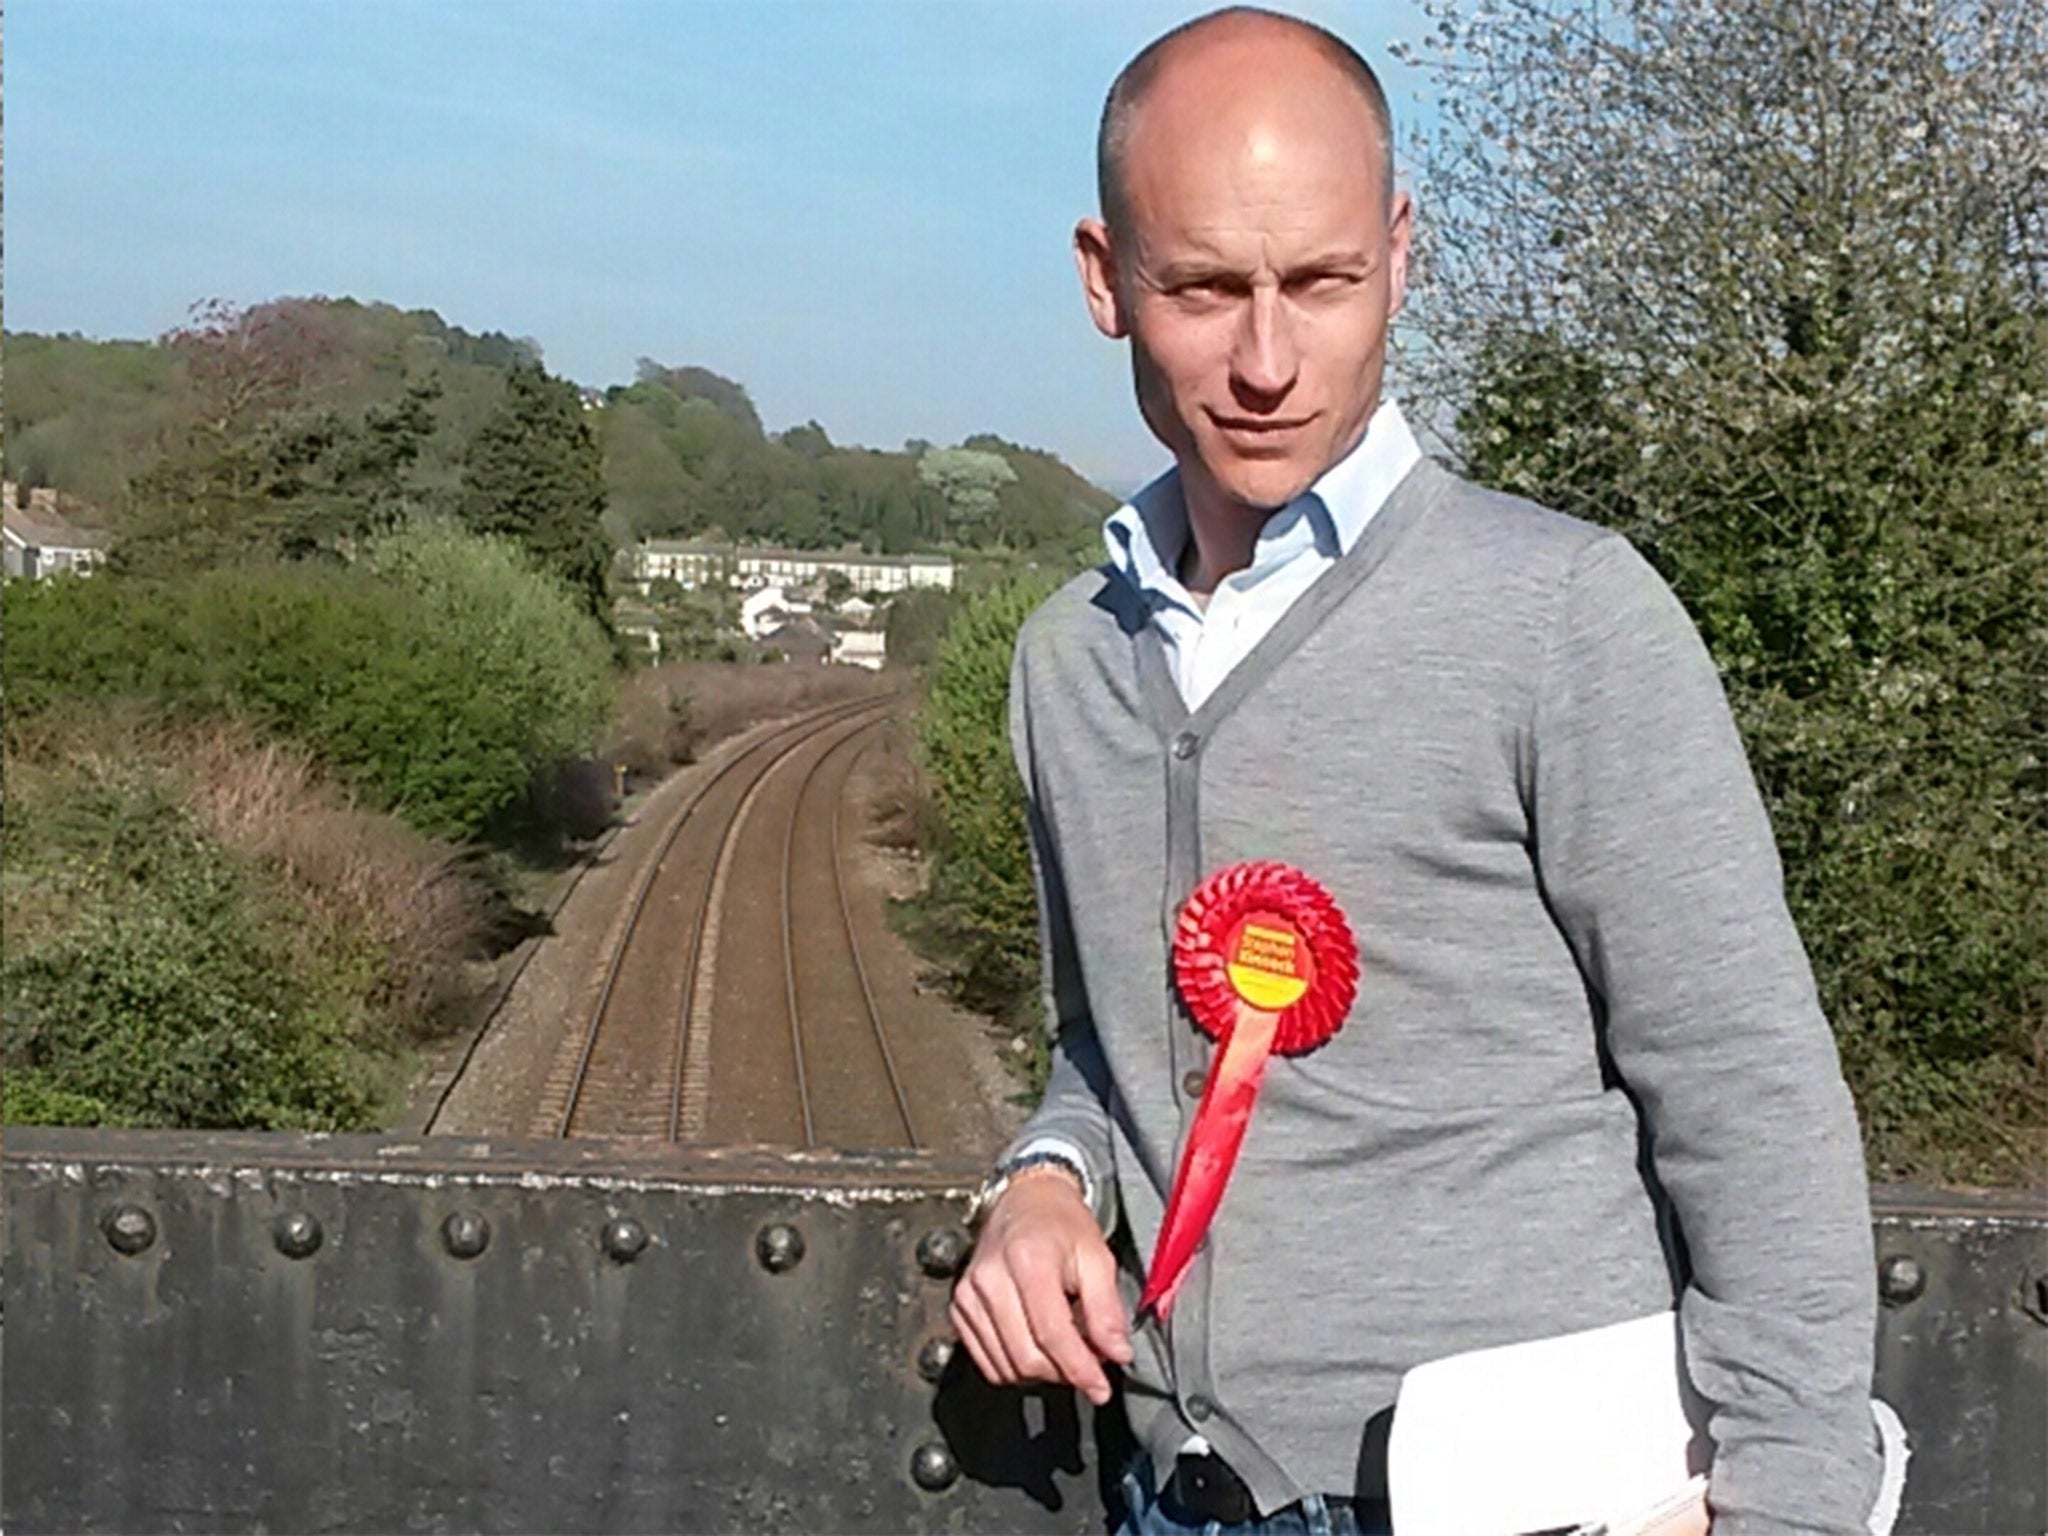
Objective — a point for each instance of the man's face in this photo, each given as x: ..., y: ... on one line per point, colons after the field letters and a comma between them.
x: 1255, y: 276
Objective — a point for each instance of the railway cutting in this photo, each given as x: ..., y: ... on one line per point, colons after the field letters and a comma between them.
x: 726, y: 974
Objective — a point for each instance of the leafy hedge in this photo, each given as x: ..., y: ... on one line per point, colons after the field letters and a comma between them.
x: 170, y: 991
x: 1871, y: 575
x: 438, y: 676
x: 981, y: 895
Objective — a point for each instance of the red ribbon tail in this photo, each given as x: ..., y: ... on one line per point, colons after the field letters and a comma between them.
x: 1211, y: 1154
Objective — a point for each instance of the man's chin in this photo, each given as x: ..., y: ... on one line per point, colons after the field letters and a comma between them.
x: 1264, y: 487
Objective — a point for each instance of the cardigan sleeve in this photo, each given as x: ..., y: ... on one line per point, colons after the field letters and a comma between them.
x: 1656, y: 856
x: 1074, y: 1111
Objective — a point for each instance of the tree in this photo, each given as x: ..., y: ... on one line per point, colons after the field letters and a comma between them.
x: 206, y: 501
x: 337, y: 480
x: 244, y: 364
x: 1767, y: 288
x: 914, y: 624
x: 808, y: 441
x: 533, y: 473
x: 693, y: 383
x: 971, y: 480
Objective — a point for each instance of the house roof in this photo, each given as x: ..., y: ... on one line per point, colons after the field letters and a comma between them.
x: 41, y: 525
x: 804, y: 635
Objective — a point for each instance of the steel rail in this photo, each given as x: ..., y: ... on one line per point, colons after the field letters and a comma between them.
x: 803, y: 726
x: 860, y: 968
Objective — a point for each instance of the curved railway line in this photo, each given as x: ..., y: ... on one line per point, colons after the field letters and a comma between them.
x: 736, y: 954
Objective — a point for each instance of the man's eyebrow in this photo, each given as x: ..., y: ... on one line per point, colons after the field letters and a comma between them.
x: 1346, y: 261
x: 1193, y: 269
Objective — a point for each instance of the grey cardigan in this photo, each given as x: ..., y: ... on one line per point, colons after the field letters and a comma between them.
x: 1585, y: 1076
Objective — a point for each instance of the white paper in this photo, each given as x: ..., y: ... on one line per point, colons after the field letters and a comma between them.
x: 1581, y: 1428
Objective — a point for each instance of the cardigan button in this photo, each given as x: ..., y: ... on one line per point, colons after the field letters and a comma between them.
x: 1192, y: 1084
x: 1200, y: 1408
x: 1186, y: 744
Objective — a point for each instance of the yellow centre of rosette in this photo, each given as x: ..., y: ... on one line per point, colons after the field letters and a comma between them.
x: 1266, y: 966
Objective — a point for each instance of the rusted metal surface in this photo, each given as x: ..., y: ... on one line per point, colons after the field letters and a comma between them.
x: 242, y: 1333
x: 509, y: 1337
x: 1962, y: 1354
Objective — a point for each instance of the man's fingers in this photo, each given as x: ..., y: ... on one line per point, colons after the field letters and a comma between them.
x: 969, y: 1331
x: 1102, y: 1309
x: 1052, y: 1324
x: 981, y: 1336
x: 1013, y: 1329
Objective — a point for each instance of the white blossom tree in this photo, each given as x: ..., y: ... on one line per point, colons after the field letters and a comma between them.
x: 971, y: 480
x: 1765, y: 284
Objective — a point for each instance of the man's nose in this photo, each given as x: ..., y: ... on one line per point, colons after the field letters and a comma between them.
x: 1265, y: 360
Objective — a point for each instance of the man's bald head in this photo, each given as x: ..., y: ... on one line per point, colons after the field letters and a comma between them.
x: 1241, y: 23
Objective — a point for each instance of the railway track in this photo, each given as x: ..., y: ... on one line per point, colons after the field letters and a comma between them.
x: 843, y: 1070
x: 732, y: 1003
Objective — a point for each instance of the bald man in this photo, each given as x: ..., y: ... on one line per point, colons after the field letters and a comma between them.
x: 1585, y: 1081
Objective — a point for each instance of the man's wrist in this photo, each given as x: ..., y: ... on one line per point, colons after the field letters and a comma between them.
x: 1031, y: 1163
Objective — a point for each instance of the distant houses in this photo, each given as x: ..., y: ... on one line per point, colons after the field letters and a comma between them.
x: 700, y: 563
x: 40, y: 540
x: 784, y: 611
x: 786, y: 606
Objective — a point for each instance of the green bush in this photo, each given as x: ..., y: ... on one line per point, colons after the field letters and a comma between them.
x: 440, y: 676
x: 544, y: 663
x: 981, y: 897
x: 1867, y: 568
x: 165, y: 991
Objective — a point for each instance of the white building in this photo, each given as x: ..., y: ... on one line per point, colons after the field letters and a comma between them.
x: 38, y: 542
x: 695, y: 563
x: 860, y: 648
x: 769, y: 608
x: 688, y: 562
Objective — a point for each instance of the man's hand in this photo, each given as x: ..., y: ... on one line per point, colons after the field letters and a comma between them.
x: 1040, y: 1252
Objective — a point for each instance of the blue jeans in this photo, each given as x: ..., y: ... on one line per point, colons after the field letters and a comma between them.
x: 1311, y: 1517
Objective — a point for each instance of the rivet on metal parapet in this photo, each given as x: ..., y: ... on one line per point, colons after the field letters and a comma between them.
x: 466, y: 1234
x: 297, y: 1234
x: 933, y: 1468
x: 779, y: 1247
x: 1900, y: 1279
x: 2033, y: 1297
x: 129, y: 1229
x: 934, y: 1356
x: 941, y: 1252
x: 624, y: 1239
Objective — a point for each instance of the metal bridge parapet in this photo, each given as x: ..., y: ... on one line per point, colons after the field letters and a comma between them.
x: 260, y: 1332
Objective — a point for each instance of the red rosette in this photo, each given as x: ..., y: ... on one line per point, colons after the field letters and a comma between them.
x: 1265, y: 962
x: 1210, y: 932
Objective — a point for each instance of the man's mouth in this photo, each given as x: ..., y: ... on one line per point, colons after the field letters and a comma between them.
x: 1261, y: 426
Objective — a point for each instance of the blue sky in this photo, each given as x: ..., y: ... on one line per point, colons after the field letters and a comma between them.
x: 859, y: 210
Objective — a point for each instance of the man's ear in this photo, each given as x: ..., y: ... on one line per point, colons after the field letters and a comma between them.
x: 1400, y: 234
x: 1095, y: 255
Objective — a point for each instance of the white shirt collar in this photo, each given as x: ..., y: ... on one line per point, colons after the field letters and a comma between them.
x: 1148, y: 534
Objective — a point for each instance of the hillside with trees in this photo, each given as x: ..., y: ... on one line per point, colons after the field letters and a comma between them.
x: 295, y: 426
